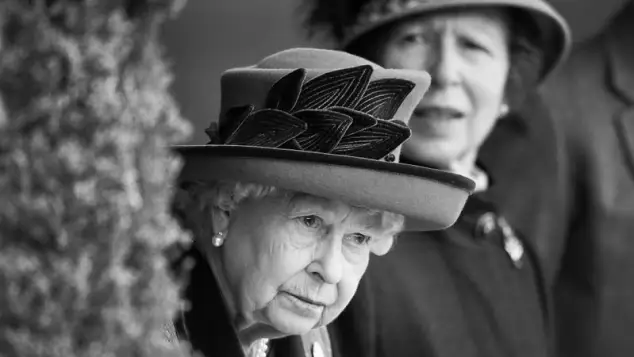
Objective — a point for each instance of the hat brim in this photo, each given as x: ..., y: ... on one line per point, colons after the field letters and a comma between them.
x: 429, y: 199
x: 555, y: 31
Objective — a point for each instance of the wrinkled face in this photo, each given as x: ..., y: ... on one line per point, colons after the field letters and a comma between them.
x: 294, y: 262
x: 467, y: 55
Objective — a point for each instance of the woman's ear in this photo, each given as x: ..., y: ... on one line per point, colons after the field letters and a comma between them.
x: 382, y: 246
x: 220, y: 219
x: 218, y: 224
x: 221, y: 212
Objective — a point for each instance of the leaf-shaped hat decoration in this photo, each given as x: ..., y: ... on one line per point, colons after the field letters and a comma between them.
x: 340, y: 112
x: 384, y: 96
x: 325, y: 129
x: 267, y: 128
x: 285, y: 92
x: 340, y: 88
x: 218, y: 132
x: 375, y: 142
x: 360, y: 120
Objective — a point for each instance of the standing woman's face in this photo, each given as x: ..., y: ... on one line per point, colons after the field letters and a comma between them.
x: 467, y: 55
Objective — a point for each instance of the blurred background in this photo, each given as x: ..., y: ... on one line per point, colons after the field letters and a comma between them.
x: 211, y: 36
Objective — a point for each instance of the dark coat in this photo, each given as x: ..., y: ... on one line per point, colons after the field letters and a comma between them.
x: 457, y: 292
x: 207, y: 326
x: 593, y: 99
x: 450, y: 293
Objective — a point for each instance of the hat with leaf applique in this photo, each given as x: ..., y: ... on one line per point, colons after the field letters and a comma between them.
x: 329, y: 124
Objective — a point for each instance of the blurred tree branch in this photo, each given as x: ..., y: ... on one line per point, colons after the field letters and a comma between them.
x: 85, y: 178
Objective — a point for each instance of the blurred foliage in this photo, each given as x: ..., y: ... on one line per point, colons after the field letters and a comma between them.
x: 86, y: 119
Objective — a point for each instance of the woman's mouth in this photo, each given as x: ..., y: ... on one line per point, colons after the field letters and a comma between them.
x: 438, y: 113
x: 306, y: 300
x: 303, y: 305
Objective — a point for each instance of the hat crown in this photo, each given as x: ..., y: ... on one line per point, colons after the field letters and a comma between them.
x: 312, y: 58
x: 374, y: 12
x: 348, y: 111
x: 315, y: 121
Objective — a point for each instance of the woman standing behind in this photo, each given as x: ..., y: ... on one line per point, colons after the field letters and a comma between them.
x: 476, y: 289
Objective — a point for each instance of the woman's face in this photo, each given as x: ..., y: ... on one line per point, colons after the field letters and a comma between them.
x: 294, y: 263
x: 467, y: 55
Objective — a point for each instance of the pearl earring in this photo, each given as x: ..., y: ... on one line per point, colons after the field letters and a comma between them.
x: 218, y: 239
x: 504, y: 110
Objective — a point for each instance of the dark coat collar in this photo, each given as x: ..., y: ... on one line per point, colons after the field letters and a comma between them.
x: 621, y: 53
x: 207, y: 325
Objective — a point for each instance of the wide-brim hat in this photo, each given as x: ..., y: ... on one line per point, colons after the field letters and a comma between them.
x: 554, y: 30
x: 329, y: 124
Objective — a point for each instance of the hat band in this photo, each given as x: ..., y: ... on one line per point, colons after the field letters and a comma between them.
x: 378, y: 11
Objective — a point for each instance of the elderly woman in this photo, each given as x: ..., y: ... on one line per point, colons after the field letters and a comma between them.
x: 476, y: 289
x: 292, y: 196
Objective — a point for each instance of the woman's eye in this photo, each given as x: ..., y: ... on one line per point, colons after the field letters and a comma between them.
x: 360, y: 239
x: 412, y: 38
x: 311, y: 221
x: 473, y: 45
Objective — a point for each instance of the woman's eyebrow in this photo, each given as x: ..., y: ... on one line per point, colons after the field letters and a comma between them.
x: 304, y: 199
x: 480, y: 31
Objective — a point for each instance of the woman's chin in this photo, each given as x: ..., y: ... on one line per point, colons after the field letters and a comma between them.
x: 290, y: 323
x: 437, y: 154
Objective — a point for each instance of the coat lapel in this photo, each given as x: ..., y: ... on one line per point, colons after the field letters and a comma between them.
x: 625, y: 133
x: 206, y: 325
x: 621, y: 74
x: 621, y: 55
x: 316, y: 343
x: 288, y: 347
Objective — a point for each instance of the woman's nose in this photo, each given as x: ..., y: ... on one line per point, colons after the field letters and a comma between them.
x: 444, y: 67
x: 328, y: 264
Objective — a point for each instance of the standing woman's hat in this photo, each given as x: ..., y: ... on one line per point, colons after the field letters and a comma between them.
x: 329, y: 124
x: 350, y: 20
